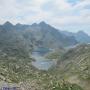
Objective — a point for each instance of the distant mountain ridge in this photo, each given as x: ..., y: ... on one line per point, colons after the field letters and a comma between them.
x: 42, y: 34
x: 80, y: 36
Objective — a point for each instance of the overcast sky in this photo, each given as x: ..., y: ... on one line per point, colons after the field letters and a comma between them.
x: 70, y: 15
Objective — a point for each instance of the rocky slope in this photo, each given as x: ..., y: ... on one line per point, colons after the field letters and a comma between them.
x: 74, y: 65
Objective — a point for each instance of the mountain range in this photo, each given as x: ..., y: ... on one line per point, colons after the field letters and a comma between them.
x: 42, y: 35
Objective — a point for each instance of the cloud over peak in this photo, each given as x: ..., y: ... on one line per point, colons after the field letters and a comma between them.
x: 57, y: 12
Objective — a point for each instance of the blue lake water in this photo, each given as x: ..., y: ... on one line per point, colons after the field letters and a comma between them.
x: 42, y: 63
